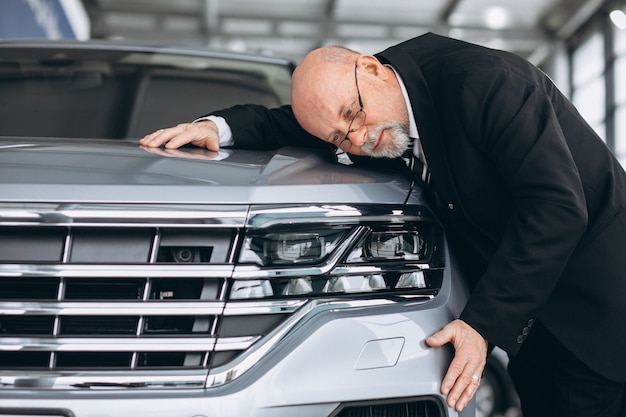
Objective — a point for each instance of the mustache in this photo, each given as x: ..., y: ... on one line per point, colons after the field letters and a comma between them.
x: 393, y: 148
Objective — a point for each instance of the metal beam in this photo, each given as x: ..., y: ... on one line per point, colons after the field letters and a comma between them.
x: 447, y: 11
x: 210, y: 14
x: 582, y: 15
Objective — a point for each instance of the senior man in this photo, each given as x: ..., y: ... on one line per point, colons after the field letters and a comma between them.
x: 529, y: 195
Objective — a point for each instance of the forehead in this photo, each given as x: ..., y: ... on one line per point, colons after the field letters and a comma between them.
x: 319, y: 106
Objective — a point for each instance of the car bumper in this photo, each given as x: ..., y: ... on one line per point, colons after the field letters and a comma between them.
x: 340, y: 353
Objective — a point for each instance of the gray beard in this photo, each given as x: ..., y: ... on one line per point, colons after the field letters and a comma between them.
x: 392, y: 148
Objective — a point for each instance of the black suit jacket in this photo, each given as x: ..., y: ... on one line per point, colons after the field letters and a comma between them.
x: 532, y: 200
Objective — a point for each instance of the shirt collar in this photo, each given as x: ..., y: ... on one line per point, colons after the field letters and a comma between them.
x: 412, y: 125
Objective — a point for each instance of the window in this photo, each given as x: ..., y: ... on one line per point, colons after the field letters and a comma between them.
x: 598, y: 84
x: 620, y: 93
x: 588, y: 81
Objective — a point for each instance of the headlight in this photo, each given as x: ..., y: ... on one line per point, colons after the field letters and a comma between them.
x: 416, y: 242
x: 299, y: 247
x: 407, y: 245
x: 291, y: 247
x: 376, y: 257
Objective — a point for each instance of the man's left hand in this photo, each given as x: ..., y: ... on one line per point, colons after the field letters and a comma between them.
x: 463, y: 377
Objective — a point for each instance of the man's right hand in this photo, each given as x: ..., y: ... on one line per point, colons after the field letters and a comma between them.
x: 203, y: 134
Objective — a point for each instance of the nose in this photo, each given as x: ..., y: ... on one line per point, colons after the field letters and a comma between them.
x: 358, y: 137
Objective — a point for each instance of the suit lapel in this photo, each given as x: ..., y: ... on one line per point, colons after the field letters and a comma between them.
x: 431, y: 138
x: 427, y: 122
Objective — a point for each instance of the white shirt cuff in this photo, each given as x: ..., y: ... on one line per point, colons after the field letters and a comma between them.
x: 225, y: 133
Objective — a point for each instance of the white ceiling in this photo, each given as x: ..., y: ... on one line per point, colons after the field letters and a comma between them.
x: 294, y: 27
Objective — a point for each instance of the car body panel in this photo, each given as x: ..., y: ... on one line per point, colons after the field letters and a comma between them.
x: 122, y: 172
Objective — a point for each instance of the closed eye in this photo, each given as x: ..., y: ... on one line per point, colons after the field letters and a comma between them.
x: 348, y: 115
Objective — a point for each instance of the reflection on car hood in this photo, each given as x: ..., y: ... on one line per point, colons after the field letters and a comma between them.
x: 120, y: 171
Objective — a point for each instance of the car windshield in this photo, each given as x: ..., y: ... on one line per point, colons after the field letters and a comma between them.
x: 77, y: 92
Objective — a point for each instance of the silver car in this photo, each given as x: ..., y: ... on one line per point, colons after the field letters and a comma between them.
x: 194, y: 283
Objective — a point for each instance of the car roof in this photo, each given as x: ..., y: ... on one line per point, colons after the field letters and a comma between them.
x: 124, y: 46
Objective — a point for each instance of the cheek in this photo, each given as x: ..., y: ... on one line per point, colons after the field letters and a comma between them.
x: 378, y: 115
x: 389, y: 108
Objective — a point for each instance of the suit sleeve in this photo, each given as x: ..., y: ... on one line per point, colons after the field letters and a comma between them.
x: 519, y: 132
x: 259, y: 127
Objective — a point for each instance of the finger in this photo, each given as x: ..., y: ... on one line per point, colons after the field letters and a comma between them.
x: 451, y: 379
x: 464, y: 370
x: 159, y: 137
x: 180, y: 138
x: 440, y: 338
x: 203, y: 134
x: 464, y: 388
x: 207, y: 135
x: 462, y: 378
x: 149, y: 138
x: 469, y: 392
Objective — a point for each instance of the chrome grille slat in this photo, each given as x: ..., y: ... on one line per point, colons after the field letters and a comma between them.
x: 272, y: 307
x: 119, y: 344
x: 115, y: 271
x: 112, y: 309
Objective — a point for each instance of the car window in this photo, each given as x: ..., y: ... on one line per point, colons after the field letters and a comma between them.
x: 172, y: 96
x: 86, y: 95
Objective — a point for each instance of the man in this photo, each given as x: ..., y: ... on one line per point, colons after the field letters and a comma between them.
x: 530, y: 197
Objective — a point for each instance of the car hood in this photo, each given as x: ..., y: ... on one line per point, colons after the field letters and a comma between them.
x: 77, y: 171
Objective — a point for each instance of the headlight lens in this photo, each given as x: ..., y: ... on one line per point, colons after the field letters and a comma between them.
x: 291, y: 247
x: 300, y: 247
x: 414, y: 242
x: 402, y: 244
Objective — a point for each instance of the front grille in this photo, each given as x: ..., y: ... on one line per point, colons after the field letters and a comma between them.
x: 140, y: 289
x: 392, y: 408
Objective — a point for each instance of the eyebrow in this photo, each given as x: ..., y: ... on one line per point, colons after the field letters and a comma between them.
x: 340, y: 113
x: 342, y: 110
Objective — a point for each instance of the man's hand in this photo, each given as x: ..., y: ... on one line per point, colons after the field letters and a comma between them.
x: 203, y: 134
x: 463, y: 377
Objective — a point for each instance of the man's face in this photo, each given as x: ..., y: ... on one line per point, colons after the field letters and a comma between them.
x: 393, y: 147
x: 359, y: 110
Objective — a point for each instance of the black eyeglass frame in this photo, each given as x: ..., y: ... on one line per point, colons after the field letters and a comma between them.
x: 361, y: 110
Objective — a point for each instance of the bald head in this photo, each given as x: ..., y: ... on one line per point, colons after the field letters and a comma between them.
x: 314, y: 82
x: 334, y: 85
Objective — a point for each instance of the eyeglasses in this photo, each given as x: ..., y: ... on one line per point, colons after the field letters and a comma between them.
x: 358, y: 120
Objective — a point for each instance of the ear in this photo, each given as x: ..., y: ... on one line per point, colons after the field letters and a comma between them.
x: 370, y: 64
